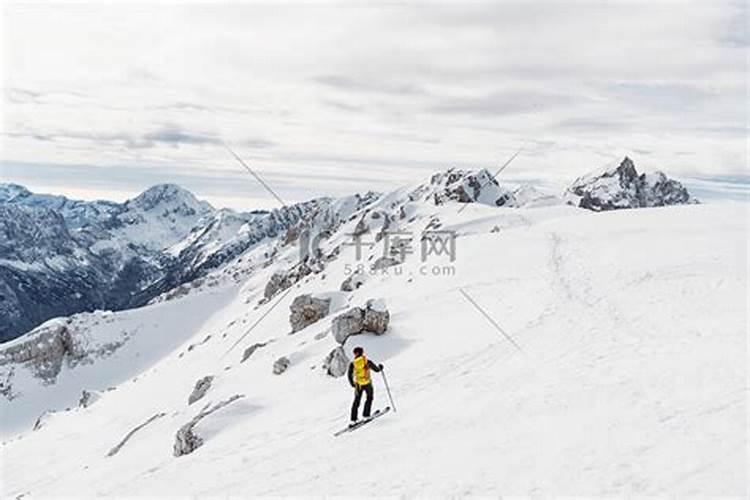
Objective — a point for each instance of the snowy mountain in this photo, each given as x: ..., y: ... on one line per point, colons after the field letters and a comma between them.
x: 61, y: 256
x: 622, y: 187
x: 465, y: 186
x: 520, y: 359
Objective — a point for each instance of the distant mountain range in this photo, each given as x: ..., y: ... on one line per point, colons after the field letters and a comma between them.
x: 60, y: 256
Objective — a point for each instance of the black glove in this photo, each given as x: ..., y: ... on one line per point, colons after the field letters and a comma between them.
x: 380, y: 366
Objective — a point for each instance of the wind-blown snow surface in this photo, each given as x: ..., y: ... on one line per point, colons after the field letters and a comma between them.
x: 632, y: 377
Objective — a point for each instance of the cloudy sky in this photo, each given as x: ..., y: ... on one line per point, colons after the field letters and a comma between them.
x: 335, y: 97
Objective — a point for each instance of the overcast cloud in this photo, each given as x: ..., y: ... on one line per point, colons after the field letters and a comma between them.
x: 334, y: 98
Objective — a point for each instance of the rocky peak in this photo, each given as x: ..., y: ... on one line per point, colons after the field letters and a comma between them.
x: 464, y: 186
x: 623, y: 187
x: 626, y: 172
x: 172, y: 195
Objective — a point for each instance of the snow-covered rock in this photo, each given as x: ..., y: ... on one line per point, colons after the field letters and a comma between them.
x: 201, y: 388
x: 622, y: 187
x: 376, y: 317
x: 306, y: 310
x: 347, y: 324
x: 250, y: 350
x: 355, y: 280
x: 464, y: 186
x: 529, y: 196
x: 188, y: 439
x: 336, y: 363
x: 88, y: 398
x: 281, y: 365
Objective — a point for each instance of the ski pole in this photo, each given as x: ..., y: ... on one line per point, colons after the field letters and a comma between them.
x: 385, y: 380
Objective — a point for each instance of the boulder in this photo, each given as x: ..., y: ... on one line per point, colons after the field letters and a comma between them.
x: 376, y: 317
x: 347, y: 324
x: 306, y: 310
x: 281, y: 365
x: 201, y: 388
x: 336, y: 363
x: 373, y: 318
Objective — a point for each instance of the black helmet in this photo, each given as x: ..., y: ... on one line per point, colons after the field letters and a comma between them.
x: 358, y: 351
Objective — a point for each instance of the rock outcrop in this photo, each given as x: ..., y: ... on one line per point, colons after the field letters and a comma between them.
x: 88, y: 398
x: 336, y: 363
x: 187, y: 440
x: 623, y: 187
x: 250, y: 350
x: 278, y: 281
x: 201, y: 388
x: 306, y: 310
x: 54, y: 344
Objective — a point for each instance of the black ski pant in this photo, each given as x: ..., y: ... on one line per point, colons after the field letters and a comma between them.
x: 369, y: 392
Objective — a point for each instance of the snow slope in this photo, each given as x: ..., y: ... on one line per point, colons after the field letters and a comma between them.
x: 631, y: 378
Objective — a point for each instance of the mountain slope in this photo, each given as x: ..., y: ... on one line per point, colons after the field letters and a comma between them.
x: 631, y: 326
x: 60, y: 256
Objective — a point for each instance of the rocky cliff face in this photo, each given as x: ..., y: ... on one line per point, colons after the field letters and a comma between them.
x: 624, y: 187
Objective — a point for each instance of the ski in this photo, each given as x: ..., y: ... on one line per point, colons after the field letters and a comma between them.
x: 378, y: 413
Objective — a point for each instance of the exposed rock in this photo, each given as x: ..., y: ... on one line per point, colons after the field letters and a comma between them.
x: 347, y: 324
x: 353, y: 281
x: 250, y: 350
x: 281, y: 365
x: 55, y: 343
x: 201, y: 388
x: 306, y: 310
x: 376, y: 317
x: 464, y: 186
x: 384, y: 262
x: 124, y: 440
x: 187, y: 439
x: 373, y: 318
x: 279, y: 281
x: 361, y: 228
x: 6, y: 384
x: 623, y: 187
x: 336, y: 363
x: 41, y: 421
x: 88, y: 398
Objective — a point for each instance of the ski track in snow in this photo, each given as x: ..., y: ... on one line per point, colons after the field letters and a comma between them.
x: 632, y: 381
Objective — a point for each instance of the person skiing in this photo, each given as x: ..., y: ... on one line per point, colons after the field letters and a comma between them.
x: 359, y: 378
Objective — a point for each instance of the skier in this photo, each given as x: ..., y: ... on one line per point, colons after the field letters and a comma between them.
x: 359, y: 378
